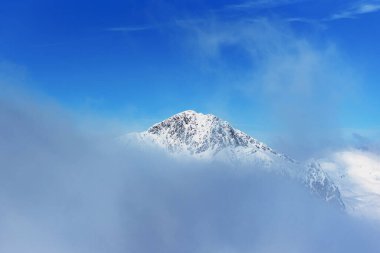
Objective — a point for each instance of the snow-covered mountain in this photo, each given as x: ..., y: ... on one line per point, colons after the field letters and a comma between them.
x: 206, y: 137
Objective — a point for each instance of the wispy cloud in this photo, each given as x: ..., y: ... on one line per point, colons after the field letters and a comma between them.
x: 283, y: 65
x: 362, y: 7
x: 130, y: 28
x: 352, y: 10
x: 261, y: 4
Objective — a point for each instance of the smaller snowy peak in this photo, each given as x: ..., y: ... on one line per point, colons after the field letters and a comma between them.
x: 321, y: 184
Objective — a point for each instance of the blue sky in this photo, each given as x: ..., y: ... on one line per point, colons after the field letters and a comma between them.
x: 262, y: 65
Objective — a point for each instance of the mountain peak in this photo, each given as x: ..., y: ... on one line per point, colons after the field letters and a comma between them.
x: 189, y: 117
x: 189, y: 112
x: 205, y: 136
x: 199, y: 134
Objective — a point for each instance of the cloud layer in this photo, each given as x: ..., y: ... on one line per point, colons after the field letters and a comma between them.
x: 64, y: 190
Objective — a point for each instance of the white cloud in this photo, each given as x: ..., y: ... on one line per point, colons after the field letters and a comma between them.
x: 64, y: 191
x: 352, y: 11
x: 130, y: 28
x: 261, y: 4
x: 359, y: 8
x: 357, y: 174
x: 297, y: 84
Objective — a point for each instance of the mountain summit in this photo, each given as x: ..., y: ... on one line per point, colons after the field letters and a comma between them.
x: 201, y: 135
x: 205, y: 136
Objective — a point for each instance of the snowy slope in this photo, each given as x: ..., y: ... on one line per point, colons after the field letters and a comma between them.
x: 357, y: 174
x: 207, y: 137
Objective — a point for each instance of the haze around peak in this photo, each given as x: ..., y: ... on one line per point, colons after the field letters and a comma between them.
x: 66, y: 190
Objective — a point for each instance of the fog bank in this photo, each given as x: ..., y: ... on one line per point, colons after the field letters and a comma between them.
x: 64, y: 190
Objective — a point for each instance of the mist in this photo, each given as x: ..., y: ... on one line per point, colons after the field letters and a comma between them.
x: 299, y: 84
x: 66, y: 190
